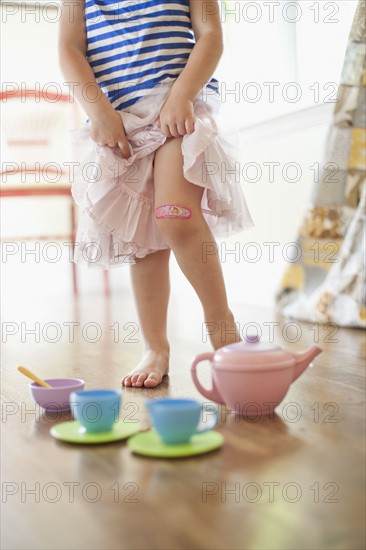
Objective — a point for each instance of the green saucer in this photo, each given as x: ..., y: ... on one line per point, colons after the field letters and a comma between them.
x: 73, y: 432
x: 150, y: 444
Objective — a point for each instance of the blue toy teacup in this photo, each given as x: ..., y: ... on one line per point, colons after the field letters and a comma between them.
x: 96, y: 410
x: 176, y: 420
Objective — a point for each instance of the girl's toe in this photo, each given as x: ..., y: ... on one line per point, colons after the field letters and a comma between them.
x: 141, y: 379
x: 126, y: 381
x: 152, y: 380
x: 134, y: 379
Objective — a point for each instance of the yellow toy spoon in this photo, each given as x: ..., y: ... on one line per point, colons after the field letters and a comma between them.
x: 34, y: 377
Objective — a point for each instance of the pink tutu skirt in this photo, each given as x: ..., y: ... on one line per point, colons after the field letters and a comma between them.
x: 117, y: 224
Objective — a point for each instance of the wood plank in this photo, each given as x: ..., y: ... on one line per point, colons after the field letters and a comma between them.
x: 292, y: 481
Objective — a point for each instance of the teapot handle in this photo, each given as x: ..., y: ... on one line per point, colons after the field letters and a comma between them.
x: 213, y: 394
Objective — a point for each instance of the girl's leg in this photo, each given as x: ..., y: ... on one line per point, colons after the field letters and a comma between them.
x: 188, y: 238
x: 151, y: 286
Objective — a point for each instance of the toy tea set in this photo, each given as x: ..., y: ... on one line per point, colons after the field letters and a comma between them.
x: 250, y: 377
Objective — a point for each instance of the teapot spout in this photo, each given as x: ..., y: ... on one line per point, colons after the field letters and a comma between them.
x: 304, y: 358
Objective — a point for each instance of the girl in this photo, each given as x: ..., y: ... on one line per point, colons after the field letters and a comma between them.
x: 160, y: 171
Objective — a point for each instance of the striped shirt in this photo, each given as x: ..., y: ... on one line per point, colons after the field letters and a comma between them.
x: 134, y: 45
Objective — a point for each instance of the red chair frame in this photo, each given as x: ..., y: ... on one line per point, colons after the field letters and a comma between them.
x: 42, y: 191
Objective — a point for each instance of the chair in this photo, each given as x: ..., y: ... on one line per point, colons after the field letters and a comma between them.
x: 35, y: 143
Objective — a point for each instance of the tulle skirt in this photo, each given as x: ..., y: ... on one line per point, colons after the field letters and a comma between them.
x: 117, y: 224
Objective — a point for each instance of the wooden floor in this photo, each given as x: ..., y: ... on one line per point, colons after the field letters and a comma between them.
x: 292, y: 482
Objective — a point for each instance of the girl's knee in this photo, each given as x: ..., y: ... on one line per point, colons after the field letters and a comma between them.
x: 175, y: 221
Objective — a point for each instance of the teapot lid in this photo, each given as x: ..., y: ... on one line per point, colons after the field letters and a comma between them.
x: 251, y: 353
x: 250, y: 344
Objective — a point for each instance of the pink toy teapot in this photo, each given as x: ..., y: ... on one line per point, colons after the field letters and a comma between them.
x: 252, y: 377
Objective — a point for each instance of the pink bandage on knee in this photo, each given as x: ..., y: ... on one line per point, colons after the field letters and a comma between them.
x: 172, y: 211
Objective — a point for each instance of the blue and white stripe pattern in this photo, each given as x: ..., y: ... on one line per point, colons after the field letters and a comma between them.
x: 134, y: 45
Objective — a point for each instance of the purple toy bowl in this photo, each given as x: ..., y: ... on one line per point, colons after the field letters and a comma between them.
x: 57, y: 398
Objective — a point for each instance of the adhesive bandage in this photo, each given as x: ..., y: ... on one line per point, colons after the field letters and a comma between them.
x: 172, y: 211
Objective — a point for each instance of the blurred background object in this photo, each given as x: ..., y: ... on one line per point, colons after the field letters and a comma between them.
x: 328, y: 283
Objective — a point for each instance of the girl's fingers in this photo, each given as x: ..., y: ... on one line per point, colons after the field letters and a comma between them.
x: 189, y: 125
x: 123, y: 145
x: 174, y: 130
x: 177, y: 129
x: 181, y: 128
x: 166, y: 131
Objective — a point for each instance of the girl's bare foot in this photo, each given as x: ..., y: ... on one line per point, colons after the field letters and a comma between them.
x: 150, y: 371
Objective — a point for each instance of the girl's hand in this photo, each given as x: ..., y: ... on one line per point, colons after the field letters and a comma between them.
x: 176, y: 116
x: 108, y: 130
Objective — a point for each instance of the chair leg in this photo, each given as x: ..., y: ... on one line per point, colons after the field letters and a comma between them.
x: 106, y: 282
x: 74, y: 278
x: 73, y: 265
